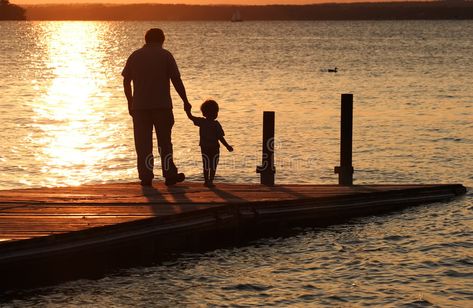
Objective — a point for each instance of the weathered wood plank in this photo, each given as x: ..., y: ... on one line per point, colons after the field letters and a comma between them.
x: 48, y: 228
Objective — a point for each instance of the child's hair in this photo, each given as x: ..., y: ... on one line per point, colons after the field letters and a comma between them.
x: 209, y: 109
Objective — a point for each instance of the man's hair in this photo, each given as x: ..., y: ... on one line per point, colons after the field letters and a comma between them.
x: 209, y: 109
x: 154, y: 35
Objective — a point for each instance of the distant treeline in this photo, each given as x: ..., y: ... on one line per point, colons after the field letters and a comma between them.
x: 452, y: 9
x: 10, y: 11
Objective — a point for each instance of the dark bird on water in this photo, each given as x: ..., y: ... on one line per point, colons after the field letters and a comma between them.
x: 332, y: 70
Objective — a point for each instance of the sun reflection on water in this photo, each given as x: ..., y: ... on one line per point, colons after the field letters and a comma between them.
x: 70, y: 116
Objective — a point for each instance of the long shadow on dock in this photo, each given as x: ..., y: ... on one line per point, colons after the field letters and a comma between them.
x: 58, y: 234
x: 171, y: 197
x: 225, y: 195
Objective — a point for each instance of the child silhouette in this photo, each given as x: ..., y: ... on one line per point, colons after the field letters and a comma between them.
x: 211, y: 133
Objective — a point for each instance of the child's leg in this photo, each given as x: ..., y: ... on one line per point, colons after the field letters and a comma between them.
x: 213, y: 165
x: 206, y: 175
x: 212, y: 175
x: 205, y: 164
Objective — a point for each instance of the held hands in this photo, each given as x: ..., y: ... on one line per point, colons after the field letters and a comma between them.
x: 187, y: 107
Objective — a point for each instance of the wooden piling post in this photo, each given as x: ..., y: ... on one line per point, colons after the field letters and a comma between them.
x: 345, y: 170
x: 267, y: 168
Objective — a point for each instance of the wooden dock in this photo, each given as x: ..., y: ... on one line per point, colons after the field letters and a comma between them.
x: 53, y: 234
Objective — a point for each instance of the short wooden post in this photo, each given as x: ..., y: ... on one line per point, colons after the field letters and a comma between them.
x: 267, y: 169
x: 345, y: 170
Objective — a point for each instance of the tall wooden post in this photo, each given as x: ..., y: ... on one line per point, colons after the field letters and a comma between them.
x: 345, y: 170
x: 267, y: 169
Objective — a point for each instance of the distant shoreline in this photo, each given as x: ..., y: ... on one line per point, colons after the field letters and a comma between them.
x: 438, y: 10
x: 10, y: 11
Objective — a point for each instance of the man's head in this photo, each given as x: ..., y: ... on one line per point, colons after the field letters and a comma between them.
x: 155, y: 36
x: 210, y: 109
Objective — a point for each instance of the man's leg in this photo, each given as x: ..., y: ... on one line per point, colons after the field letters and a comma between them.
x: 163, y: 122
x: 143, y: 132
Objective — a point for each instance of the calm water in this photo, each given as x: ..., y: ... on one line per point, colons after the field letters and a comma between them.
x: 64, y: 122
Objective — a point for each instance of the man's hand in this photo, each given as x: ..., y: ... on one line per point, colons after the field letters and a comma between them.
x: 230, y: 148
x: 187, y: 106
x: 130, y: 105
x: 128, y: 93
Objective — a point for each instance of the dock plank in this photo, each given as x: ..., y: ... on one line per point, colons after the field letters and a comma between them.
x: 47, y: 228
x: 65, y: 209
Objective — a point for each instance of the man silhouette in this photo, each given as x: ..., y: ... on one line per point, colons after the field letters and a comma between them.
x: 151, y: 68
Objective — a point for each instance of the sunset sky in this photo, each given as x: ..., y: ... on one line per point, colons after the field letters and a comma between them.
x: 177, y: 1
x: 194, y: 1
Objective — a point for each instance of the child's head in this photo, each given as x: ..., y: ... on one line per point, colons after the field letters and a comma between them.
x: 209, y: 109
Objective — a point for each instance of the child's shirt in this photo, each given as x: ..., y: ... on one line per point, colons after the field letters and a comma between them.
x: 210, y: 132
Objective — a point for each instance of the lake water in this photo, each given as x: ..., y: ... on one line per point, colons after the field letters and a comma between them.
x: 64, y: 121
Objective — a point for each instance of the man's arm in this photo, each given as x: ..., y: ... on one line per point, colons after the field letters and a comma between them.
x: 128, y: 93
x: 190, y: 116
x: 181, y: 90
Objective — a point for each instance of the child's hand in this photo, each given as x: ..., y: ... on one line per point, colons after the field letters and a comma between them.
x: 230, y: 148
x: 187, y: 107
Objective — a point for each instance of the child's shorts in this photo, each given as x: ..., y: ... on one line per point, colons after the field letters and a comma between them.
x: 210, y: 157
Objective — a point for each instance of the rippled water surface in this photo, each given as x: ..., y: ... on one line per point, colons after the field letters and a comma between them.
x: 64, y: 122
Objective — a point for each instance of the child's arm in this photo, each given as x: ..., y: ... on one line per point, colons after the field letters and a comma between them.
x: 225, y: 143
x: 189, y: 115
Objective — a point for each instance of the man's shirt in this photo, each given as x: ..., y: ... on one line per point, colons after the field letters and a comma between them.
x: 151, y: 68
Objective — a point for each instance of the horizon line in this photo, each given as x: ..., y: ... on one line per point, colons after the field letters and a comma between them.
x: 242, y: 4
x: 146, y: 2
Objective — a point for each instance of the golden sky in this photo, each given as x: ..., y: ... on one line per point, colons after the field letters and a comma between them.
x: 193, y: 1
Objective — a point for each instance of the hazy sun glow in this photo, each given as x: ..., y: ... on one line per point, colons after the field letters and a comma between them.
x: 67, y: 112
